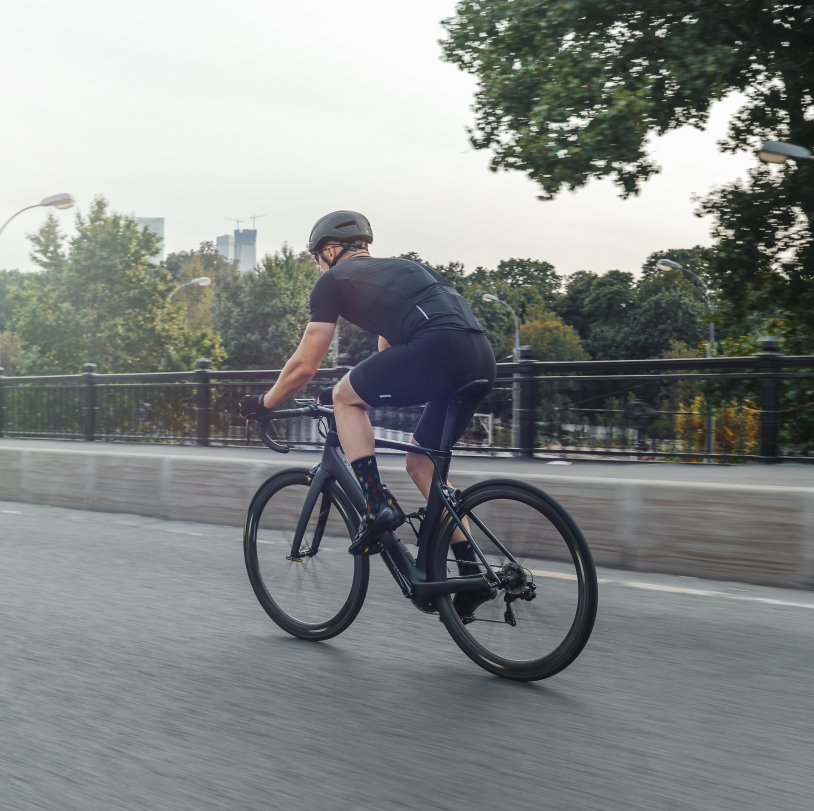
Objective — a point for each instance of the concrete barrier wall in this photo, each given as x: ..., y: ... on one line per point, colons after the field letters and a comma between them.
x: 748, y: 533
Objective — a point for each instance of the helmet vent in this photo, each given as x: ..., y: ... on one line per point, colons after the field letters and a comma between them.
x: 345, y: 224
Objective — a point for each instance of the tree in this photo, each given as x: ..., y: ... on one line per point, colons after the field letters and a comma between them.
x: 551, y: 338
x: 197, y: 301
x: 571, y: 91
x: 657, y: 322
x: 9, y: 343
x: 9, y: 281
x: 528, y: 286
x: 617, y: 319
x: 262, y: 314
x: 598, y: 308
x: 99, y: 298
x: 764, y: 258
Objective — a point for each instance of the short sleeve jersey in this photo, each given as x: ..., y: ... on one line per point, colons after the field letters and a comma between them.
x: 394, y: 298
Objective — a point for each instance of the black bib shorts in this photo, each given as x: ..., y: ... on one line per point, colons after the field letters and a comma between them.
x: 428, y: 369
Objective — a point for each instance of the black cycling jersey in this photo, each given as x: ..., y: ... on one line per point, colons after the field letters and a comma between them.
x: 395, y: 298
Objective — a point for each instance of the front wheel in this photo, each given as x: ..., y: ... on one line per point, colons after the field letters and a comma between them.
x: 510, y: 636
x: 312, y: 596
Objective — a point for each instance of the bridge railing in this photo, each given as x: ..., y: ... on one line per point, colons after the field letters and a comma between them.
x: 752, y: 408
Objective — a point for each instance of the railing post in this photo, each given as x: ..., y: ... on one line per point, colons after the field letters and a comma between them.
x: 770, y: 361
x: 202, y: 411
x: 89, y: 401
x: 528, y: 405
x: 2, y: 406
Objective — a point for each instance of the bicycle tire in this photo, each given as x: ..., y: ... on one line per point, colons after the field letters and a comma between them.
x: 547, y: 542
x: 305, y: 597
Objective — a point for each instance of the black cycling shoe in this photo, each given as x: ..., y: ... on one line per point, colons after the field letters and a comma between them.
x: 466, y: 603
x: 366, y: 542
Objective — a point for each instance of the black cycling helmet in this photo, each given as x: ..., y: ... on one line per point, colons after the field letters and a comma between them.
x: 339, y: 226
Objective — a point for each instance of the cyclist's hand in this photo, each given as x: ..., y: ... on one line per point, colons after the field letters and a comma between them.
x: 251, y: 407
x: 326, y: 397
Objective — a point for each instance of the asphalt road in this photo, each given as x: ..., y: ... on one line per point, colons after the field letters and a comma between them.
x: 137, y: 671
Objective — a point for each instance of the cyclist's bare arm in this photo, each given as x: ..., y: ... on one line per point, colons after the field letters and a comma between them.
x: 303, y: 364
x: 383, y: 344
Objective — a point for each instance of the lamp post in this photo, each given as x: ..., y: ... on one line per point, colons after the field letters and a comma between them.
x: 667, y: 264
x: 201, y: 281
x: 709, y: 428
x: 516, y: 353
x: 54, y: 201
x: 516, y: 383
x: 781, y: 151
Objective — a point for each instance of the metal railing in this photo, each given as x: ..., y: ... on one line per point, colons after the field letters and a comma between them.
x: 753, y: 408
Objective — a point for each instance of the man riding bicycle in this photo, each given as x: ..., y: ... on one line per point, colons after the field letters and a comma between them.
x: 430, y: 344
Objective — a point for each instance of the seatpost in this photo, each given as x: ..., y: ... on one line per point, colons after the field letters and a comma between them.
x: 446, y: 437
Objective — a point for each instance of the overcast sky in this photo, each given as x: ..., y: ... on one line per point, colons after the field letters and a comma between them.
x: 200, y: 111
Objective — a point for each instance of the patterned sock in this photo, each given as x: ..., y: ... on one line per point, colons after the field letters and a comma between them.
x: 367, y: 472
x: 463, y: 551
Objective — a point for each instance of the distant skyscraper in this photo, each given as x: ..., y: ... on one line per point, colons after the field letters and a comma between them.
x: 246, y: 249
x: 155, y: 224
x: 226, y: 246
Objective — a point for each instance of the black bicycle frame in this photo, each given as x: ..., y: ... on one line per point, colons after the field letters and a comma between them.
x: 410, y: 573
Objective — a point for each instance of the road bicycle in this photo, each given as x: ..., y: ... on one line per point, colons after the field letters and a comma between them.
x: 529, y: 551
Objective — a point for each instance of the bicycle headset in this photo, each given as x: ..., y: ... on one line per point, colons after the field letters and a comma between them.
x: 348, y: 228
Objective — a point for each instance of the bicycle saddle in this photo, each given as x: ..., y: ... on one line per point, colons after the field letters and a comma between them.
x: 473, y: 389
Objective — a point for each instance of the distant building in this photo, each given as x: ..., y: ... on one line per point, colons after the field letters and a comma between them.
x: 246, y: 249
x: 240, y: 247
x: 226, y: 246
x: 156, y: 225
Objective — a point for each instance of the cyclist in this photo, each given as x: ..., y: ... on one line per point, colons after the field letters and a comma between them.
x: 430, y: 344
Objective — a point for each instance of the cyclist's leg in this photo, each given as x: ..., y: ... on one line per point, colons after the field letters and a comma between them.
x: 476, y: 361
x: 471, y: 359
x: 352, y: 423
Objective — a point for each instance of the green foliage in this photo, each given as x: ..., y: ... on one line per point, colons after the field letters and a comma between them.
x: 552, y: 339
x: 261, y: 315
x: 659, y: 320
x: 100, y: 299
x: 197, y: 301
x: 598, y: 308
x: 9, y: 280
x: 570, y: 91
x: 764, y: 258
x: 528, y: 286
x: 618, y: 319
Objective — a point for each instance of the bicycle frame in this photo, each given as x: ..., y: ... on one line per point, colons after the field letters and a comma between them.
x: 410, y: 573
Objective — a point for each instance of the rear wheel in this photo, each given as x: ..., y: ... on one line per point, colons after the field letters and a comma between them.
x: 310, y: 596
x: 522, y: 639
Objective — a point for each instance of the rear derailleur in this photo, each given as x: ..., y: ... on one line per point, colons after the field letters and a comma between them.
x: 518, y: 585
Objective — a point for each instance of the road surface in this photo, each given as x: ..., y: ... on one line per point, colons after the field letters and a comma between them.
x: 139, y: 672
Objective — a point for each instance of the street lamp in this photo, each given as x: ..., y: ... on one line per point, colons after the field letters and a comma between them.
x: 55, y: 201
x: 490, y: 297
x: 668, y: 264
x: 780, y: 152
x: 202, y: 281
x: 516, y: 383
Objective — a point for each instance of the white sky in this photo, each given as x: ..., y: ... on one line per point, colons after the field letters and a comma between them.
x: 199, y: 111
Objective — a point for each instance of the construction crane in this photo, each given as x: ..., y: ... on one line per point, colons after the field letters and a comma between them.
x: 232, y: 219
x: 256, y: 217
